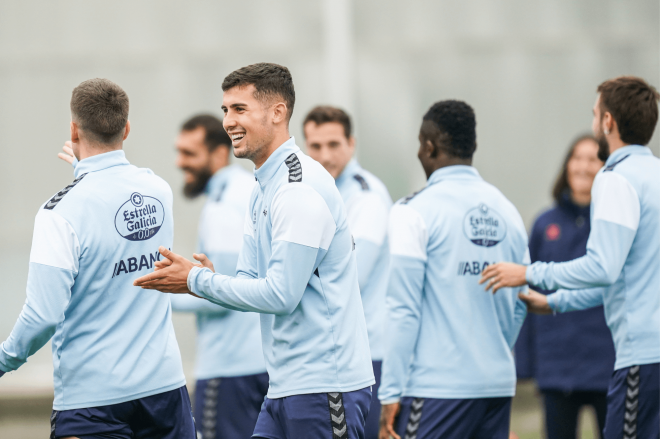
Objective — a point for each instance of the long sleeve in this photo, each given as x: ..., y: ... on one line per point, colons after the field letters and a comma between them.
x: 511, y: 327
x: 302, y: 229
x: 367, y: 218
x: 576, y: 300
x: 616, y: 213
x: 408, y: 241
x: 54, y: 262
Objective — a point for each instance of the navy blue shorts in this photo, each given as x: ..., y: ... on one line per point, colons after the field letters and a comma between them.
x: 428, y: 418
x: 372, y: 425
x: 316, y: 415
x: 164, y: 416
x: 227, y: 408
x: 633, y: 403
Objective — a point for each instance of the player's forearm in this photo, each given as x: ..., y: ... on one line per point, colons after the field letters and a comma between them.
x: 607, y: 250
x: 576, y: 300
x: 290, y: 267
x: 48, y: 293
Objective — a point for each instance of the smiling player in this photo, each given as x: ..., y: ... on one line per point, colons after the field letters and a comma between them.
x: 297, y: 268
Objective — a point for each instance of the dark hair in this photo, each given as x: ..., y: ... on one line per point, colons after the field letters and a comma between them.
x: 215, y: 134
x: 561, y: 186
x: 454, y: 130
x: 327, y: 114
x: 633, y: 104
x: 100, y: 108
x: 270, y: 81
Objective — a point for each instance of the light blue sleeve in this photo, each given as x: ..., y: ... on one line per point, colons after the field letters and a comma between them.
x: 289, y: 270
x: 607, y: 250
x: 366, y: 253
x: 246, y: 267
x: 224, y: 263
x: 48, y: 294
x: 576, y: 300
x: 511, y: 327
x: 404, y: 301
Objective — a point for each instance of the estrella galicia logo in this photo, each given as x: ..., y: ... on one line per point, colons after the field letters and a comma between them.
x: 139, y: 218
x: 483, y: 226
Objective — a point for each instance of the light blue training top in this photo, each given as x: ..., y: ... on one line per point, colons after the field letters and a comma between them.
x: 228, y: 342
x: 447, y: 336
x: 622, y: 260
x: 297, y: 268
x: 112, y: 342
x: 368, y: 206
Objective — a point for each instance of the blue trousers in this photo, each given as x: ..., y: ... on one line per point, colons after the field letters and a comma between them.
x: 316, y: 415
x: 164, y: 416
x: 372, y: 426
x: 429, y: 418
x: 227, y: 408
x: 562, y: 410
x: 633, y: 403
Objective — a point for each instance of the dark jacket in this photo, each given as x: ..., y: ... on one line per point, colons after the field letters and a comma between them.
x: 571, y: 351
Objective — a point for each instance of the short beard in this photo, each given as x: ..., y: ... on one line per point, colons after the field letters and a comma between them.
x: 197, y: 186
x: 603, y: 147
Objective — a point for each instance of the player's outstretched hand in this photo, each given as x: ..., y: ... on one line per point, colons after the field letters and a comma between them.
x: 67, y: 155
x: 172, y: 278
x: 536, y: 302
x: 502, y: 275
x: 387, y: 415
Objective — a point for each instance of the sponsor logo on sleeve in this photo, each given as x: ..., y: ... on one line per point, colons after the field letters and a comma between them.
x: 484, y: 227
x: 139, y: 218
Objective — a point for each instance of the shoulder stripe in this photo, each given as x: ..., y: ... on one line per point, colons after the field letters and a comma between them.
x: 362, y: 181
x: 58, y: 196
x: 411, y: 196
x: 295, y: 168
x: 611, y: 167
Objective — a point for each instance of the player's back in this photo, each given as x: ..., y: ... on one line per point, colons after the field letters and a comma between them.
x: 632, y: 302
x: 466, y: 334
x: 115, y: 342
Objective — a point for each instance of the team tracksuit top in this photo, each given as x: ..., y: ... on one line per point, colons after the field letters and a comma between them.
x: 448, y: 337
x: 622, y: 266
x: 297, y: 268
x: 368, y: 205
x: 112, y: 342
x: 228, y: 342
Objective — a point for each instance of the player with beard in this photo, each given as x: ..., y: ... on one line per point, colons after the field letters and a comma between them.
x: 330, y: 142
x: 231, y: 374
x: 296, y: 267
x: 620, y: 269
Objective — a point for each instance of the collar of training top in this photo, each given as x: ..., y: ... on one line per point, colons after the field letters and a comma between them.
x: 276, y: 159
x: 454, y: 171
x: 352, y: 168
x: 101, y: 161
x: 625, y: 150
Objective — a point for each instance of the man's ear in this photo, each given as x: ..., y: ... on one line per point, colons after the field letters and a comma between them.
x: 127, y: 130
x: 279, y: 112
x: 75, y: 135
x: 351, y: 142
x: 429, y: 148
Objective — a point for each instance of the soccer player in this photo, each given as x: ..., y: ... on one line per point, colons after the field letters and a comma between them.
x: 296, y: 267
x: 330, y: 142
x: 231, y: 374
x: 117, y: 364
x: 448, y: 370
x: 620, y: 269
x: 571, y: 355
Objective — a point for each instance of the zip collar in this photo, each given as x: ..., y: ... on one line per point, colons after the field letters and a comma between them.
x: 268, y: 170
x: 100, y: 162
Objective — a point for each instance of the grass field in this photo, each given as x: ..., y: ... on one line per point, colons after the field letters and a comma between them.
x: 28, y: 418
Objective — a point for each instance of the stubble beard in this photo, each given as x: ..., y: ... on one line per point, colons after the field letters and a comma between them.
x: 603, y: 146
x: 197, y: 186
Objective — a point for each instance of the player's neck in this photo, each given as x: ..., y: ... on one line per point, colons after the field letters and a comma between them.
x: 614, y: 142
x: 279, y: 139
x: 85, y: 150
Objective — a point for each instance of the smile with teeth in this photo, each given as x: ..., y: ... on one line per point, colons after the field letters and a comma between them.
x: 237, y: 136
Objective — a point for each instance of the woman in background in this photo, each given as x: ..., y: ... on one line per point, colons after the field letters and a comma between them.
x: 571, y: 355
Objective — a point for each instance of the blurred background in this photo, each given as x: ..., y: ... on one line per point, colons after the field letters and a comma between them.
x: 529, y: 68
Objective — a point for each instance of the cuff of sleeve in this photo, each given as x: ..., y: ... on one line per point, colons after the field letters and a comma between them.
x: 553, y: 302
x: 528, y: 274
x: 389, y: 401
x: 192, y: 278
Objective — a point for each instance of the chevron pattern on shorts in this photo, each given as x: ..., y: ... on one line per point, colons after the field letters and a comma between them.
x: 632, y: 404
x: 295, y: 168
x: 337, y: 416
x: 414, y: 418
x: 210, y: 409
